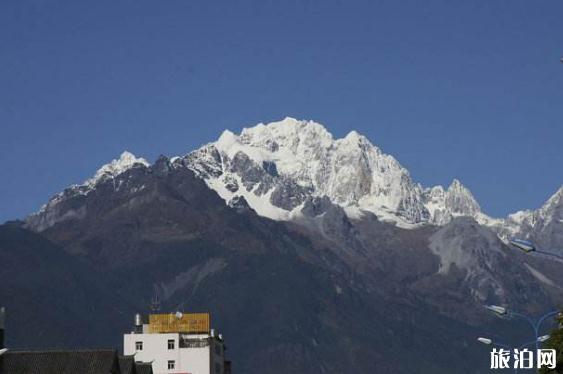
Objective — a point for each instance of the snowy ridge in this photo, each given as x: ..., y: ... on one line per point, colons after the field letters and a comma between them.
x: 351, y: 171
x: 456, y: 201
x: 46, y: 217
x: 279, y: 166
x: 281, y: 169
x: 548, y: 219
x: 551, y: 209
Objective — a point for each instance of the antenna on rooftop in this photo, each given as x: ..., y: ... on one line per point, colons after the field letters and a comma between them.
x: 155, y: 301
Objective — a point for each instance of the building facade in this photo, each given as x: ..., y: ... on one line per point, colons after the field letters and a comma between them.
x: 176, y: 344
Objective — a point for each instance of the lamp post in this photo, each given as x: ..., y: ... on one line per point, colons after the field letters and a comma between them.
x: 535, y: 324
x: 529, y: 247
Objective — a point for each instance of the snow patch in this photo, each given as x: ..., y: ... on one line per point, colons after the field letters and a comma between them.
x: 260, y: 204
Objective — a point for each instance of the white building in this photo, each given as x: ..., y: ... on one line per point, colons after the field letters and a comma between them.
x: 177, y: 344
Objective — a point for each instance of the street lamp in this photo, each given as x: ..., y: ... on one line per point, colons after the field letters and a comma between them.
x: 3, y: 350
x: 528, y: 247
x: 488, y: 341
x: 497, y: 309
x: 485, y: 341
x: 524, y: 245
x: 536, y: 324
x: 543, y: 338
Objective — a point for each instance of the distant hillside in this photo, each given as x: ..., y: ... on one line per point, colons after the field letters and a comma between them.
x: 54, y: 299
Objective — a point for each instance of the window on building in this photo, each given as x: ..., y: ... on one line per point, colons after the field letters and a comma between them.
x: 217, y: 368
x: 171, y: 344
x: 171, y: 364
x: 138, y: 346
x: 218, y: 349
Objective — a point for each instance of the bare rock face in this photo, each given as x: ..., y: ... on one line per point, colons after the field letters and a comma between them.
x: 288, y: 195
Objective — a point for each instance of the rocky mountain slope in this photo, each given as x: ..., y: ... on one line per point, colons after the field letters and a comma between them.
x: 336, y: 261
x: 55, y: 299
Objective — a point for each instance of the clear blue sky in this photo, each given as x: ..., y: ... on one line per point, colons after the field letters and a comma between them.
x: 464, y: 89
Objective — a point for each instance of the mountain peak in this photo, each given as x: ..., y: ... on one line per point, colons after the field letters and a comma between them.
x: 353, y: 135
x: 459, y: 200
x: 117, y: 166
x: 291, y: 121
x: 356, y: 138
x: 281, y: 163
x: 456, y: 200
x: 288, y: 127
x: 456, y: 185
x: 226, y: 139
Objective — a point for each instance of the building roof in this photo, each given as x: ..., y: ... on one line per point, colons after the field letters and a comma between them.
x: 143, y: 367
x: 127, y: 365
x: 61, y: 362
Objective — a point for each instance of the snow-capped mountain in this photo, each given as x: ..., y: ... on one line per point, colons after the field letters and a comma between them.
x: 276, y: 167
x: 283, y: 168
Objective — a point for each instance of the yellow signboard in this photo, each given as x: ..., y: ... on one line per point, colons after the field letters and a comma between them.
x: 178, y: 322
